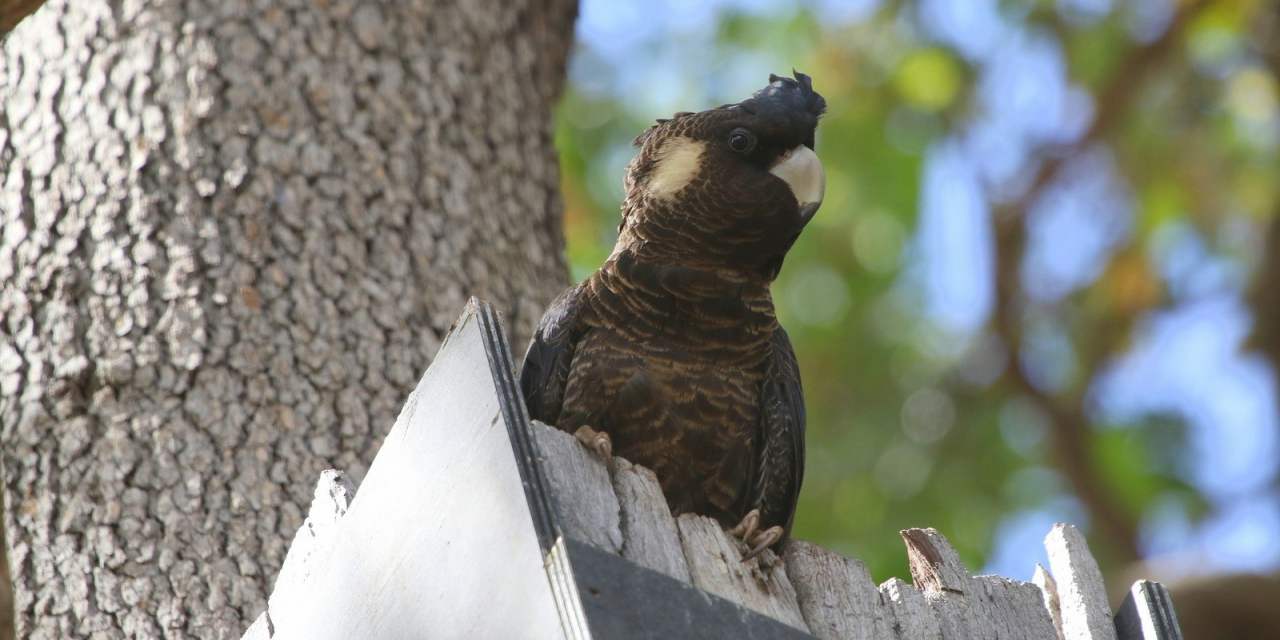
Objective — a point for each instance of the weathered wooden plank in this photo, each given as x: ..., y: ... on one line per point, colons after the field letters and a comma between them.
x: 1147, y: 614
x: 936, y: 570
x: 1012, y: 609
x: 580, y: 488
x: 649, y: 534
x: 716, y: 566
x: 912, y: 619
x: 836, y: 594
x: 1082, y: 595
x: 968, y: 607
x: 1049, y: 594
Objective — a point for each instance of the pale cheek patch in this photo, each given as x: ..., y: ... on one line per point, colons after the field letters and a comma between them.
x: 801, y: 169
x: 679, y: 161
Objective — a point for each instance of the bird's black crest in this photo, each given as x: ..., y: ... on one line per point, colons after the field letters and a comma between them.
x: 790, y: 104
x: 794, y: 93
x: 791, y: 101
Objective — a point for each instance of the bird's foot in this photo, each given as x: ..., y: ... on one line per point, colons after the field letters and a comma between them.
x: 763, y: 540
x: 747, y: 527
x: 597, y: 441
x: 756, y: 539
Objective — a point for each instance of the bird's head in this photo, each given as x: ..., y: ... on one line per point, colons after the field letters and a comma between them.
x: 729, y: 187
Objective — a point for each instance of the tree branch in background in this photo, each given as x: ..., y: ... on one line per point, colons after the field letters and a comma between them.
x: 13, y: 11
x: 1069, y: 426
x: 1264, y: 298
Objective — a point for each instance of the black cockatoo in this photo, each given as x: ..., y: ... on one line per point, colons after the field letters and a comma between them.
x: 670, y: 354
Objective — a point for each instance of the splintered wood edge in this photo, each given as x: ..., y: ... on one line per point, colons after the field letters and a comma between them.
x: 1082, y: 595
x: 935, y: 566
x: 1049, y: 593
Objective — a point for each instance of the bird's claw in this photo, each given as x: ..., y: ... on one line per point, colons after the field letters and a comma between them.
x: 755, y: 539
x: 747, y: 527
x: 598, y: 442
x: 763, y: 540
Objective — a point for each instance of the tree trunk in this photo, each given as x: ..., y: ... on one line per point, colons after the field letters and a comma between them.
x: 233, y: 235
x: 6, y: 590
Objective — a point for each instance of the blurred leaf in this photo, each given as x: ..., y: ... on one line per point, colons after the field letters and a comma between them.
x: 1140, y: 462
x: 928, y: 79
x: 1131, y: 285
x: 1094, y: 52
x: 1216, y: 33
x: 1121, y: 456
x: 1161, y: 201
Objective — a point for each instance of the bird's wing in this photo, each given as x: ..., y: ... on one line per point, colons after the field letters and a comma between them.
x: 781, y: 465
x: 546, y: 364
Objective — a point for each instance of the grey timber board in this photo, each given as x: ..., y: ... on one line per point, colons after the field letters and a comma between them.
x: 626, y: 601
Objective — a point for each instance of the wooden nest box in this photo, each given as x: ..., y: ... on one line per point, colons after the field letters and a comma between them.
x: 473, y: 522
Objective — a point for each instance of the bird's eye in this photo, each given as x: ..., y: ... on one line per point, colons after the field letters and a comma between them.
x: 742, y: 141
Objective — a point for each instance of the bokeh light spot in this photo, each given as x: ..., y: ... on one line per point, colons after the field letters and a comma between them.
x: 902, y: 470
x: 928, y: 79
x: 927, y: 415
x: 817, y: 295
x: 877, y: 241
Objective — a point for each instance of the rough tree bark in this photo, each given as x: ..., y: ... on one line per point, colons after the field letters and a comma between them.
x: 233, y: 235
x: 6, y: 591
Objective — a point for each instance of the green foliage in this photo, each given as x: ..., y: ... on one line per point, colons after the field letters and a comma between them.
x: 928, y: 79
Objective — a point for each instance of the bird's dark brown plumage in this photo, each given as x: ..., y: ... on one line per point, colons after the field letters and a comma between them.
x: 672, y: 346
